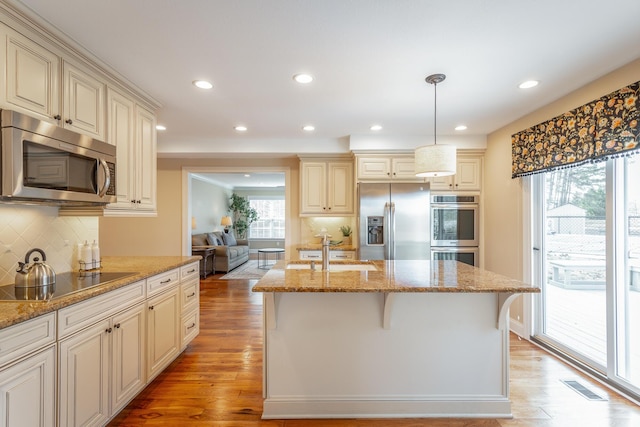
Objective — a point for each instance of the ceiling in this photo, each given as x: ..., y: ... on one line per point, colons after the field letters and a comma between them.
x: 369, y: 59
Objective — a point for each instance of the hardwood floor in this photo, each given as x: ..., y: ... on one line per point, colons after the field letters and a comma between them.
x: 217, y: 381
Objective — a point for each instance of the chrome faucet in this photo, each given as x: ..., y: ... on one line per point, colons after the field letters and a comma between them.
x: 325, y: 250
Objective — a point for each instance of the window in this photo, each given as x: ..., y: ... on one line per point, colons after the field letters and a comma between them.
x: 270, y: 224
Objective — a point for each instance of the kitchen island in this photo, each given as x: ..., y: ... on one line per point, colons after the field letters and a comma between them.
x: 386, y: 339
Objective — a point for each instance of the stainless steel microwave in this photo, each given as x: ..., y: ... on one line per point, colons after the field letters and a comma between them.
x: 44, y: 163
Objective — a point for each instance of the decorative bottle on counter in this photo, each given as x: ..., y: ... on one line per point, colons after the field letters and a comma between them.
x: 86, y: 257
x: 95, y: 255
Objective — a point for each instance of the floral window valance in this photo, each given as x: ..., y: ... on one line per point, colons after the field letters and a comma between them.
x: 603, y: 128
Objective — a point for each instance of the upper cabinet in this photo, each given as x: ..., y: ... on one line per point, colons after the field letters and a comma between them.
x: 387, y: 167
x: 132, y: 130
x: 468, y: 176
x: 326, y: 187
x: 41, y: 83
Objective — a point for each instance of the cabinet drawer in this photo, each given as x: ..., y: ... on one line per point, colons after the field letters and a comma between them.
x: 190, y: 327
x: 342, y: 255
x: 25, y: 337
x: 162, y: 281
x: 189, y: 295
x: 85, y: 313
x: 310, y: 255
x: 189, y: 271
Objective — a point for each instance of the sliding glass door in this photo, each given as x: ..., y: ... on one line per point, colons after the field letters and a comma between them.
x: 587, y: 251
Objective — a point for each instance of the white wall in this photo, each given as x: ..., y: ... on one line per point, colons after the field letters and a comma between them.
x: 209, y: 203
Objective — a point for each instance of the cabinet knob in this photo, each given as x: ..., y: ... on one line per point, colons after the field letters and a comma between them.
x: 69, y: 121
x: 117, y: 326
x: 150, y: 307
x: 57, y: 117
x: 108, y: 330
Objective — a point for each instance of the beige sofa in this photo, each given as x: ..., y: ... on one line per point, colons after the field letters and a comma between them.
x: 229, y: 251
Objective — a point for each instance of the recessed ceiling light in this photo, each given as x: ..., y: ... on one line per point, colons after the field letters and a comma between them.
x: 241, y: 128
x: 528, y: 84
x: 202, y: 84
x: 303, y: 78
x: 308, y: 128
x: 376, y: 127
x: 161, y: 127
x: 461, y: 127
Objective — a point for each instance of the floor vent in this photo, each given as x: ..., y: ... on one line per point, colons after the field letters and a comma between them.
x: 583, y: 390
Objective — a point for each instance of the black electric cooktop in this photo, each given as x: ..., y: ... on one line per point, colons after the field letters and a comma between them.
x: 66, y: 283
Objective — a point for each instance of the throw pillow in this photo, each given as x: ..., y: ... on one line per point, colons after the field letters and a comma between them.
x: 229, y: 239
x: 211, y: 239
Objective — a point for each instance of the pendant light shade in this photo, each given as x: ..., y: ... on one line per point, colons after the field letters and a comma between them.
x: 435, y: 160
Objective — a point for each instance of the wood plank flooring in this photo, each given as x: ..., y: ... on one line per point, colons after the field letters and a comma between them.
x: 217, y: 381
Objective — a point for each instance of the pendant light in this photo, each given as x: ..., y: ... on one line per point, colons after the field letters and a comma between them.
x: 435, y: 160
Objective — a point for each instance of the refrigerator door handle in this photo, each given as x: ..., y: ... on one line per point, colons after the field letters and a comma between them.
x: 392, y: 231
x: 387, y: 231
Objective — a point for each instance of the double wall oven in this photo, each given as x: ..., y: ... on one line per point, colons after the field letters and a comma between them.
x: 454, y: 228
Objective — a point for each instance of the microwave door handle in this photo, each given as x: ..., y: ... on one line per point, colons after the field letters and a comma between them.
x: 107, y: 178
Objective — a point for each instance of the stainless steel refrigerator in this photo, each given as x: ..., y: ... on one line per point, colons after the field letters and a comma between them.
x: 394, y: 221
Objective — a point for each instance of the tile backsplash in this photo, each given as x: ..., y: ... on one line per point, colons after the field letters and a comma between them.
x: 26, y: 227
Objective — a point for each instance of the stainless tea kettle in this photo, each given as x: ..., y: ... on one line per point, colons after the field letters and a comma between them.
x: 36, y: 274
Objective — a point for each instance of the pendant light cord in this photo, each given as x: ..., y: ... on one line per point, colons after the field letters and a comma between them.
x: 435, y: 113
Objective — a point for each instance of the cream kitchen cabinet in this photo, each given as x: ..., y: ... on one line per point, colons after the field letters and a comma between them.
x: 326, y: 188
x: 41, y: 83
x: 189, y: 303
x: 163, y: 321
x: 132, y: 131
x: 28, y: 373
x: 384, y: 168
x: 101, y: 358
x: 468, y: 176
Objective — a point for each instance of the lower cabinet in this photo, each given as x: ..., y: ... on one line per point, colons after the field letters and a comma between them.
x: 27, y: 391
x: 101, y: 368
x: 163, y: 331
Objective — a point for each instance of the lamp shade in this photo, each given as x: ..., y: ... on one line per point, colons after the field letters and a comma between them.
x: 226, y: 221
x: 435, y: 160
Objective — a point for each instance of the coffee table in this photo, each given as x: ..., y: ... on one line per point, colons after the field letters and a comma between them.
x: 264, y: 253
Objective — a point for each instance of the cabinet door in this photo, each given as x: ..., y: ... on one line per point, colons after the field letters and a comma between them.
x: 121, y: 134
x: 313, y: 188
x: 145, y: 159
x: 128, y: 356
x: 27, y: 391
x: 84, y: 102
x: 374, y: 168
x: 442, y: 183
x: 84, y: 377
x: 468, y: 174
x: 33, y: 74
x: 404, y: 169
x: 163, y: 340
x: 340, y: 191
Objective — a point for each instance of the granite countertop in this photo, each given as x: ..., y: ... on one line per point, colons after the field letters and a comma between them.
x: 13, y: 312
x: 318, y: 247
x: 389, y: 276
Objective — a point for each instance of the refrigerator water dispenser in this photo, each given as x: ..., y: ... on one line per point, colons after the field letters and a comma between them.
x: 375, y: 230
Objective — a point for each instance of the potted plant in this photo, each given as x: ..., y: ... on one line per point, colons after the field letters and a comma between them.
x: 346, y: 234
x: 243, y: 215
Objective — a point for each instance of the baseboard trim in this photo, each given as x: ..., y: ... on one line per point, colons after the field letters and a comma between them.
x: 292, y: 409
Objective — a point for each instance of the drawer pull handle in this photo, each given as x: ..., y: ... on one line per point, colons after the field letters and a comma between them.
x: 165, y: 281
x: 191, y: 327
x: 192, y: 295
x: 193, y: 270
